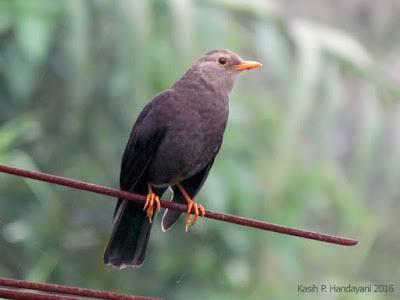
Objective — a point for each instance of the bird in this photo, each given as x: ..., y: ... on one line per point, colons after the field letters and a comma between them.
x: 173, y: 144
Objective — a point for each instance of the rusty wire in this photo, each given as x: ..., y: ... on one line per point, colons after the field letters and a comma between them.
x: 20, y: 289
x: 183, y: 208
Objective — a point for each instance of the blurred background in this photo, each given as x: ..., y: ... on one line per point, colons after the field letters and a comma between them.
x: 313, y: 141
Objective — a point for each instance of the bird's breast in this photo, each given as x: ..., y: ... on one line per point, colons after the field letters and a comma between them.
x: 194, y: 136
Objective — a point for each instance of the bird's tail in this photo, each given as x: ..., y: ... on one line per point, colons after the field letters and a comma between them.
x: 129, y: 238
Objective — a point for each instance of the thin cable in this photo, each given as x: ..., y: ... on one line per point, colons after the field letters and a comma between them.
x: 10, y: 288
x: 23, y: 295
x: 183, y: 208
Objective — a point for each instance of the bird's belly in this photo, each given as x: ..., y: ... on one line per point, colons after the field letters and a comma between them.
x: 182, y: 156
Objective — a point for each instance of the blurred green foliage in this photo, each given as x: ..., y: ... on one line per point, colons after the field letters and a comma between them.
x: 312, y: 141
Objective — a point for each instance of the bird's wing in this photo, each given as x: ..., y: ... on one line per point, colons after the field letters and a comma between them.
x: 139, y: 150
x: 145, y: 138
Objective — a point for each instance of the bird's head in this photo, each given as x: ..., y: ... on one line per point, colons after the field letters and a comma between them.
x: 219, y: 69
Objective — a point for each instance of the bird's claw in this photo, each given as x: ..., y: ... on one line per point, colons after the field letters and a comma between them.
x: 152, y: 200
x: 198, y: 209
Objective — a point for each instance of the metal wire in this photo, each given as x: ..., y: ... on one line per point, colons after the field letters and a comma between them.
x: 17, y: 289
x: 183, y: 208
x: 22, y: 295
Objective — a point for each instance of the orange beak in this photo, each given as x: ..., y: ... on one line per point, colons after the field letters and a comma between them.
x: 247, y: 65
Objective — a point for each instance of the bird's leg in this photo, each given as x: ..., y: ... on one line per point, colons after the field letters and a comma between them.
x: 152, y: 200
x: 198, y: 208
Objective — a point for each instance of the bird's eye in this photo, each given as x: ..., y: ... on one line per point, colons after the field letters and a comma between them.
x: 223, y: 61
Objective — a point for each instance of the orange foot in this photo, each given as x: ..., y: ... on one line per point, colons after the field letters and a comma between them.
x: 152, y: 200
x: 198, y: 209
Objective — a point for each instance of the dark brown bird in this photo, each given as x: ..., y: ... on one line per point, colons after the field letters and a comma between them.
x: 173, y: 144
